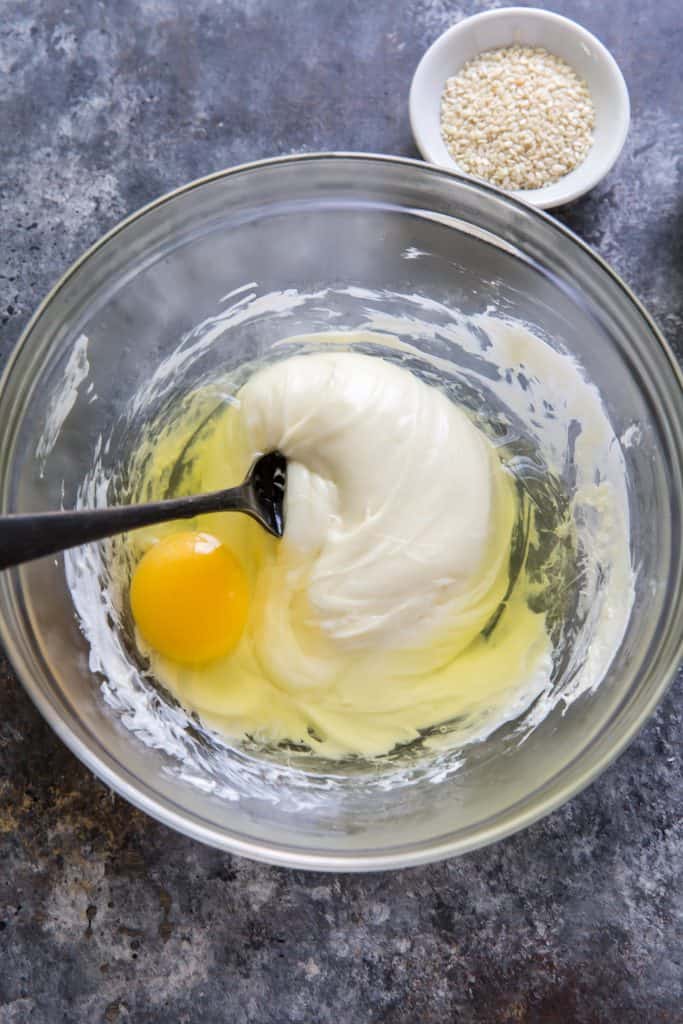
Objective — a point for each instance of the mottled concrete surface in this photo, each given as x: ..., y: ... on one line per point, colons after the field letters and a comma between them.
x: 106, y: 915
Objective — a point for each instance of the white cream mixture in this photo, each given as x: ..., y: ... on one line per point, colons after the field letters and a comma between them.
x: 367, y: 621
x: 396, y: 506
x: 410, y: 328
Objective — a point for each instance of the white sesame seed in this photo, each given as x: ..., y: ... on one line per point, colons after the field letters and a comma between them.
x: 518, y: 116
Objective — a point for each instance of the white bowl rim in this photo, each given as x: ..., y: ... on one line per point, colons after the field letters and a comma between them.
x: 533, y: 197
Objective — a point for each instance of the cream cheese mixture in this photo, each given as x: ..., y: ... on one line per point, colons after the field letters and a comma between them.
x: 398, y: 512
x: 455, y: 556
x: 367, y: 622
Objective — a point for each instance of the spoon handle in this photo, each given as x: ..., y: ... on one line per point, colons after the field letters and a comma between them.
x: 24, y: 537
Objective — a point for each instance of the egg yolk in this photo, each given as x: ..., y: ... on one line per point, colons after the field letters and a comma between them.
x: 189, y: 598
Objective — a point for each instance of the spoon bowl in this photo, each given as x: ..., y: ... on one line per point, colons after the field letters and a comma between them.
x: 261, y: 496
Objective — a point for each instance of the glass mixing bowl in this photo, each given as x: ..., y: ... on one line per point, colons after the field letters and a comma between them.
x: 343, y: 225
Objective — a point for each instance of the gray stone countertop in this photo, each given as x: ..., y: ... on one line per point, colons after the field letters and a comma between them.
x: 106, y: 915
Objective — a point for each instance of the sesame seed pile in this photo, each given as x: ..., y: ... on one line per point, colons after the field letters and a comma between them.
x: 517, y: 116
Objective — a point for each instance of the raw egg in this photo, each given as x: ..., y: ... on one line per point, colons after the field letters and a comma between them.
x: 189, y: 598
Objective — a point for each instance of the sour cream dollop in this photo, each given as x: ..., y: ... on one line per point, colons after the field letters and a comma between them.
x: 397, y: 506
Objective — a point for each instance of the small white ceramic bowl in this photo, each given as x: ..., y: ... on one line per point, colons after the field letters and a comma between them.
x: 529, y: 27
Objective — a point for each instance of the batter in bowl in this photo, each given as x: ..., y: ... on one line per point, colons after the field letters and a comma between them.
x: 389, y: 609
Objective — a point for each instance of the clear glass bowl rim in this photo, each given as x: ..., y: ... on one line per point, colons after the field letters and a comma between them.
x: 576, y: 775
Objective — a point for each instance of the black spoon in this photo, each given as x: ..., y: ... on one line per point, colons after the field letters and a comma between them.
x: 261, y: 496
